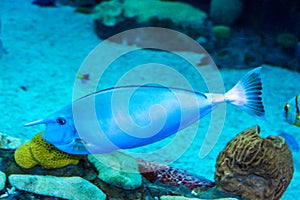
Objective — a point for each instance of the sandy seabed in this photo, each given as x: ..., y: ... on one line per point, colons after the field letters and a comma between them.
x: 45, y: 48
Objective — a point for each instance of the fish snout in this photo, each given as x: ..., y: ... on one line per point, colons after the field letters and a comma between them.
x: 37, y: 122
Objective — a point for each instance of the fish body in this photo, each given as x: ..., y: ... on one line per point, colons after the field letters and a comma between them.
x: 291, y: 111
x: 133, y: 116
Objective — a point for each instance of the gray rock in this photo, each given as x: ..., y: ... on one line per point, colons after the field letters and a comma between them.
x: 75, y: 188
x: 117, y: 169
x: 9, y: 142
x: 2, y: 180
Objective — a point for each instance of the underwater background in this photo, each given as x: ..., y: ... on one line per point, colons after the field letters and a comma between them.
x: 43, y: 45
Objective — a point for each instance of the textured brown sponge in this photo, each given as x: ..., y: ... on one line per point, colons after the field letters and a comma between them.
x: 253, y: 167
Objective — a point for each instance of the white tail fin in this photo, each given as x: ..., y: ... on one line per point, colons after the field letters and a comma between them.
x: 246, y: 94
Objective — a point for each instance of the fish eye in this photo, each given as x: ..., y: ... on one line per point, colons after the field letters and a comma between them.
x: 286, y: 107
x: 61, y: 120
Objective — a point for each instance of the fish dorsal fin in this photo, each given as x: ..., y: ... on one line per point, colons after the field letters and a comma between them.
x: 141, y: 86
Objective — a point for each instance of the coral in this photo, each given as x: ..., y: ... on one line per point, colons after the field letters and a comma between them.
x: 222, y: 32
x: 109, y: 12
x: 62, y: 187
x: 117, y: 169
x: 253, y: 167
x: 171, y: 176
x: 24, y: 157
x: 225, y: 12
x: 112, y: 12
x: 115, y: 16
x: 148, y: 9
x: 39, y: 152
x: 237, y: 58
x: 287, y: 40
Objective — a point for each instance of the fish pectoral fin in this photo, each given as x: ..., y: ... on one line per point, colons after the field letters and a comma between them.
x: 79, y: 144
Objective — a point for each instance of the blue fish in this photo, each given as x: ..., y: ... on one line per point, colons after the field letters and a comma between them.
x: 108, y: 120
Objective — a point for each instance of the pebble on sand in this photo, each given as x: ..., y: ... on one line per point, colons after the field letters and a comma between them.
x: 9, y: 142
x: 2, y: 180
x: 117, y: 169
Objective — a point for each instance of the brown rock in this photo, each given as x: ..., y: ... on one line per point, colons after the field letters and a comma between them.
x: 253, y: 167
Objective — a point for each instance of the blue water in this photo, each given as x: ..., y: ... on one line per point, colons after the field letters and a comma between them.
x: 45, y: 47
x: 290, y: 140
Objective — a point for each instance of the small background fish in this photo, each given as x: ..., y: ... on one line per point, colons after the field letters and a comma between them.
x: 291, y: 111
x: 83, y: 77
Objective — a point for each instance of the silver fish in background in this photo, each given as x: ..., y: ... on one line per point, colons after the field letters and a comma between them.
x: 151, y: 114
x: 291, y: 111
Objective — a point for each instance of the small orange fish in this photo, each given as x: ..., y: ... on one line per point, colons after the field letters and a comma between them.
x: 84, y: 77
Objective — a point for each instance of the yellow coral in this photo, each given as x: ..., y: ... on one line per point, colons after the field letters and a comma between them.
x: 24, y: 157
x: 39, y: 152
x: 222, y: 32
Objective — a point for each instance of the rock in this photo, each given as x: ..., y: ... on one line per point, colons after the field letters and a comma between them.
x: 112, y: 17
x: 172, y: 176
x: 225, y: 12
x: 287, y: 40
x: 253, y: 167
x: 237, y: 58
x: 117, y: 169
x: 8, y: 142
x: 166, y: 197
x: 2, y: 180
x: 75, y: 188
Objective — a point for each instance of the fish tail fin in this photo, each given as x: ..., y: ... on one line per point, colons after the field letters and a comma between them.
x: 247, y: 94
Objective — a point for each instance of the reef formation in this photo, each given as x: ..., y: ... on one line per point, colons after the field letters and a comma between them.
x: 253, y: 167
x: 250, y: 167
x: 171, y: 176
x: 39, y: 152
